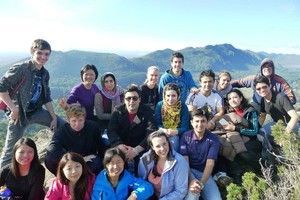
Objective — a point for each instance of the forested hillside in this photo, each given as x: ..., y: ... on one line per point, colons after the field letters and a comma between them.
x: 64, y: 67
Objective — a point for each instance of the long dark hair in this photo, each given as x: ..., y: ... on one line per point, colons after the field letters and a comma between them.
x: 81, y: 184
x: 34, y: 165
x: 153, y: 155
x: 244, y: 103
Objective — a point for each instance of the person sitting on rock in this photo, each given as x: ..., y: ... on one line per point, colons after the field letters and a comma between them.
x: 80, y: 136
x: 25, y: 175
x: 74, y: 179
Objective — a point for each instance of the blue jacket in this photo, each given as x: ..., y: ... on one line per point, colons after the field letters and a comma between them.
x: 184, y: 118
x: 185, y: 82
x: 104, y: 191
x: 174, y: 183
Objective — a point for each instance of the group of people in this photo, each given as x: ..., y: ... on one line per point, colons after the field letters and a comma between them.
x: 165, y: 139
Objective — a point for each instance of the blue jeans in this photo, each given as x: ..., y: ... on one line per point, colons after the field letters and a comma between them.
x: 267, y: 129
x: 175, y: 142
x: 210, y: 190
x: 15, y: 132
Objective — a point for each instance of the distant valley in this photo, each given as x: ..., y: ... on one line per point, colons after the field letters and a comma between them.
x: 64, y: 67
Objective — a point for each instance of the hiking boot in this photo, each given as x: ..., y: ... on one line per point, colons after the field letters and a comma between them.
x: 222, y: 179
x: 237, y: 179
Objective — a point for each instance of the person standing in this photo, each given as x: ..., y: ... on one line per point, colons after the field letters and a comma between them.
x: 26, y: 107
x: 149, y: 89
x: 178, y: 75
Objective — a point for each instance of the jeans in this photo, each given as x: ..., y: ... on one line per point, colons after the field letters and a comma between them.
x: 267, y: 129
x: 210, y: 190
x: 15, y: 132
x: 175, y: 142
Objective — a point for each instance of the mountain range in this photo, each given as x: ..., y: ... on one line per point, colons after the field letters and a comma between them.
x: 64, y: 67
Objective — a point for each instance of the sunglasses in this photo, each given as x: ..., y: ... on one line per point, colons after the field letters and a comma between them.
x: 134, y: 98
x: 262, y: 87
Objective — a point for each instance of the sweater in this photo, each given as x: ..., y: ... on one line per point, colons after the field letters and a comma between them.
x: 85, y: 97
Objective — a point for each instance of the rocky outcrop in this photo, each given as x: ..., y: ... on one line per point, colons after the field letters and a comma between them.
x: 42, y: 140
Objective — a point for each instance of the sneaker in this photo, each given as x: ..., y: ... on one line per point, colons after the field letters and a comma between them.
x: 222, y: 179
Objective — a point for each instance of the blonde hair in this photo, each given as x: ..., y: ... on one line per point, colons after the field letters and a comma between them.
x: 149, y: 68
x: 224, y: 73
x: 75, y: 110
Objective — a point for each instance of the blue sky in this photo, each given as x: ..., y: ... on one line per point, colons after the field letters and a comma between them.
x: 272, y: 26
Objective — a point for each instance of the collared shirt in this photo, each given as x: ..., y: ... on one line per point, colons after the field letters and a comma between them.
x: 197, y: 150
x: 15, y: 74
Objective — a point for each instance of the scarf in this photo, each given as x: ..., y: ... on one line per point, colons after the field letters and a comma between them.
x: 171, y: 115
x: 239, y: 111
x: 113, y: 95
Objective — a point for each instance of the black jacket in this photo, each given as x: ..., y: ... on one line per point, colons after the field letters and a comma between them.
x: 121, y: 131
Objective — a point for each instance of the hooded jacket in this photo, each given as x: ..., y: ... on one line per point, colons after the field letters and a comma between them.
x: 185, y: 82
x: 277, y: 83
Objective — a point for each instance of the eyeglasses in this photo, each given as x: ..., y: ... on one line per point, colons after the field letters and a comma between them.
x: 134, y: 98
x: 262, y: 87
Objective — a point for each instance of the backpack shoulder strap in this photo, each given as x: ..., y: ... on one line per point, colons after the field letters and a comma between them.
x: 21, y: 82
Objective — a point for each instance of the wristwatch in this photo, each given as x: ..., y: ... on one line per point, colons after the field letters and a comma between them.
x: 136, y: 151
x: 202, y: 185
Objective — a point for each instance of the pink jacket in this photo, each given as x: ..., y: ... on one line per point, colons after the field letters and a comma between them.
x: 60, y: 191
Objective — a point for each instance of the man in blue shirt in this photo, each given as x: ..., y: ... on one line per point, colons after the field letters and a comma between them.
x: 178, y: 75
x: 200, y: 148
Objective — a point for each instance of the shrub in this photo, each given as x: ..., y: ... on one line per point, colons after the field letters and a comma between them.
x: 278, y: 182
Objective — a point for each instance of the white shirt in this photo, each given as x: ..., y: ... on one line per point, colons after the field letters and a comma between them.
x: 214, y: 100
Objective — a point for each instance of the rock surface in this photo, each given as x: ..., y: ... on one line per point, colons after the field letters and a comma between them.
x: 42, y: 140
